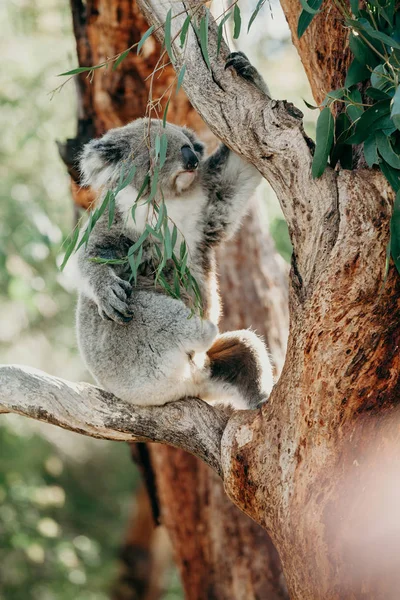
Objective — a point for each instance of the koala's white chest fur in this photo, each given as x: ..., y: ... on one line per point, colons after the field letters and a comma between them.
x: 186, y: 213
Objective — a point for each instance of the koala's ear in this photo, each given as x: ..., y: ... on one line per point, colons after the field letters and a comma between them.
x: 197, y: 145
x: 99, y: 160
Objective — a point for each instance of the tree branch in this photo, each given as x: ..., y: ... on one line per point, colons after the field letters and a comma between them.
x: 189, y: 424
x: 267, y: 132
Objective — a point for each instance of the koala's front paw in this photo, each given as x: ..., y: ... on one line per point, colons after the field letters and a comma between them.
x: 241, y: 64
x: 244, y: 68
x: 112, y: 301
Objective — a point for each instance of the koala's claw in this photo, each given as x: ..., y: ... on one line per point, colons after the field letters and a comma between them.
x: 113, y: 302
x: 241, y: 64
x: 244, y: 68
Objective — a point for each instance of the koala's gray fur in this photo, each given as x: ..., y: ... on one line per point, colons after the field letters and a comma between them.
x: 138, y: 342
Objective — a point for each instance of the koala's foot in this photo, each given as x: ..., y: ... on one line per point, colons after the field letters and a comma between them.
x: 244, y: 68
x: 112, y: 301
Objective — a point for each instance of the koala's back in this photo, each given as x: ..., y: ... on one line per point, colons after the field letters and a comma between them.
x: 145, y: 361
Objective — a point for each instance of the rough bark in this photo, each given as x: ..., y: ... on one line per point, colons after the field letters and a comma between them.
x: 323, y: 48
x: 103, y: 30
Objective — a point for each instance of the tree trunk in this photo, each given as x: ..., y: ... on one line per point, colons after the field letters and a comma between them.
x: 220, y: 552
x: 317, y: 465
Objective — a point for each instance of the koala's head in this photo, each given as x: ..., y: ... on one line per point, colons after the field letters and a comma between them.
x: 102, y: 159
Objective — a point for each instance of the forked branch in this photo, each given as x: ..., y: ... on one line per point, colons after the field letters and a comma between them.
x: 189, y: 424
x: 267, y: 132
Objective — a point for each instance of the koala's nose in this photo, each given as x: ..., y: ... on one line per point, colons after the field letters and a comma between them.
x: 190, y: 160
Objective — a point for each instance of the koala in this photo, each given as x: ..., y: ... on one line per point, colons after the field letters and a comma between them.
x: 140, y: 343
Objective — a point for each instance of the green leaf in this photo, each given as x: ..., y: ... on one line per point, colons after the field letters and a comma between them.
x: 164, y: 119
x: 378, y: 35
x: 177, y: 287
x: 362, y: 52
x: 174, y: 236
x: 167, y: 34
x: 154, y: 184
x: 73, y: 238
x: 143, y: 237
x: 203, y: 33
x: 340, y: 151
x: 324, y: 141
x: 120, y: 59
x: 333, y: 95
x: 237, y: 20
x: 128, y: 179
x: 132, y: 264
x: 354, y: 7
x: 395, y: 232
x: 392, y: 175
x: 371, y: 151
x: 143, y: 187
x: 111, y: 210
x: 162, y: 214
x: 163, y: 149
x: 386, y: 151
x: 309, y: 9
x: 153, y: 232
x: 144, y: 37
x: 306, y: 18
x: 260, y: 4
x: 80, y: 70
x: 356, y: 73
x: 354, y: 107
x: 376, y: 94
x: 167, y: 242
x: 220, y: 31
x: 184, y: 30
x: 368, y: 121
x: 183, y: 249
x: 180, y: 77
x: 310, y: 106
x: 395, y: 108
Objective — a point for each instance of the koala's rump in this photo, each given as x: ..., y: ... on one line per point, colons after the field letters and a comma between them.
x: 136, y: 361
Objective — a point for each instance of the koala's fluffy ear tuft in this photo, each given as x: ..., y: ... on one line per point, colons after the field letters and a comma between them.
x: 99, y: 159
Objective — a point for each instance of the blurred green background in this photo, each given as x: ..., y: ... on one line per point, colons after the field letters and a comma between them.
x: 65, y: 499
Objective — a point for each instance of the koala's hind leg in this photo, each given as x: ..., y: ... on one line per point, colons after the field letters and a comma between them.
x: 240, y: 370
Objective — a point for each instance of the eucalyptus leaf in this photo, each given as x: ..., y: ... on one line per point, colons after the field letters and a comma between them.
x: 386, y: 151
x: 260, y: 4
x: 120, y: 58
x: 203, y: 32
x: 73, y: 238
x: 371, y: 151
x: 365, y: 124
x: 80, y: 70
x: 167, y: 34
x: 184, y: 30
x: 356, y: 73
x: 308, y: 8
x: 392, y: 175
x: 237, y: 20
x: 144, y: 37
x: 324, y: 141
x: 163, y: 149
x: 164, y: 119
x: 305, y: 17
x: 395, y: 232
x: 395, y: 108
x: 180, y: 77
x: 220, y: 31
